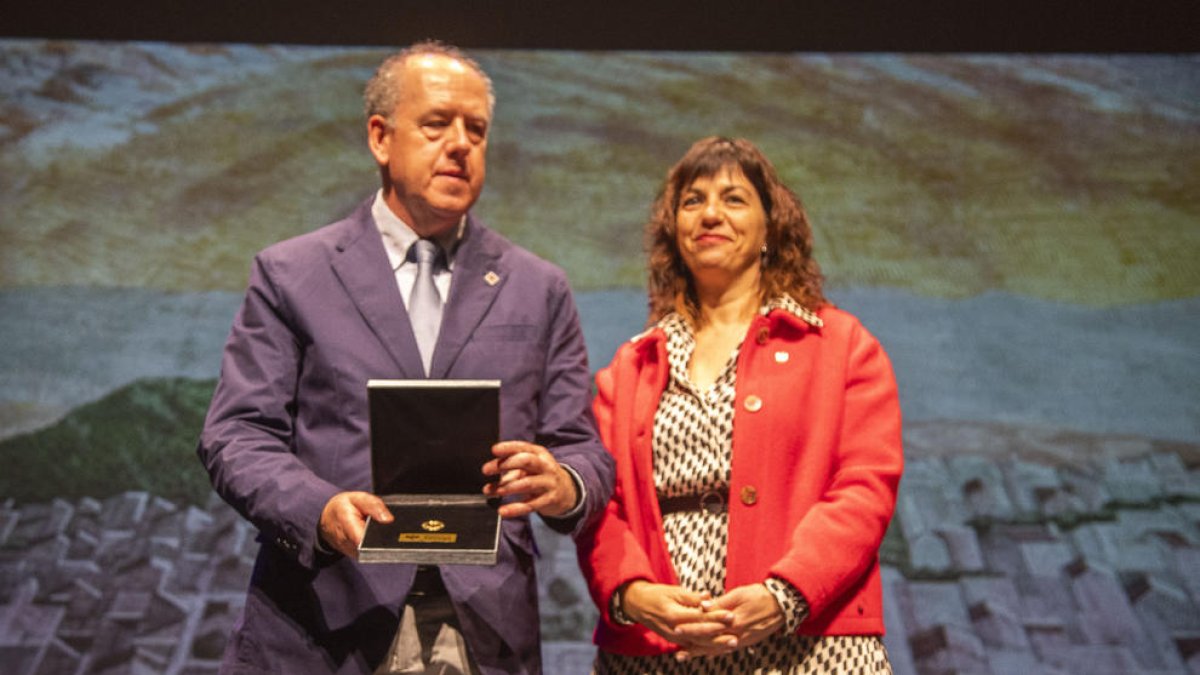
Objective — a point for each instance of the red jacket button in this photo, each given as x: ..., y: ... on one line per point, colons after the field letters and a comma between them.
x: 749, y: 495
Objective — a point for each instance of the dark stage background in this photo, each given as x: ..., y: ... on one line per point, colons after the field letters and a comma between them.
x: 1007, y: 195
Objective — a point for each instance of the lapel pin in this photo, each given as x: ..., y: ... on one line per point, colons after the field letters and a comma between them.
x: 782, y: 357
x: 491, y: 278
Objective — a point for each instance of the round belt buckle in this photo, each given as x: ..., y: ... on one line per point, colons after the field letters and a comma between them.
x: 712, y: 502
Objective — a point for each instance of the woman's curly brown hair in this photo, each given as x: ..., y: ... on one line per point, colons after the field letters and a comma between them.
x: 787, y: 266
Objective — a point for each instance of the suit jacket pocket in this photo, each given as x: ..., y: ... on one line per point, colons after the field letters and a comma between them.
x: 512, y: 353
x: 511, y: 332
x: 520, y: 535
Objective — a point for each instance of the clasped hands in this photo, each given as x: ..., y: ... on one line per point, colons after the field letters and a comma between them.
x: 699, y: 623
x: 528, y: 472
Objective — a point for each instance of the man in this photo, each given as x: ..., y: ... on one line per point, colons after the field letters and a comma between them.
x: 286, y: 437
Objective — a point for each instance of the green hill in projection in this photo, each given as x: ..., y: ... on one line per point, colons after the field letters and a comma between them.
x: 1073, y: 178
x: 141, y: 437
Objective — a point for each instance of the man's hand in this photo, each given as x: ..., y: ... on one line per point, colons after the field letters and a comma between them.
x: 680, y: 615
x: 532, y: 474
x: 755, y: 615
x: 344, y: 519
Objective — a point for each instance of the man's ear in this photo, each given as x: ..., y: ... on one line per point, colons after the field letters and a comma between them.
x: 378, y: 138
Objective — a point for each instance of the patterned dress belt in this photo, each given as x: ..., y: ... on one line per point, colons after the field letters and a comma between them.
x: 713, y: 501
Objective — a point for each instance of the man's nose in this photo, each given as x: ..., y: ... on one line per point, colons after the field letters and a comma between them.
x: 457, y: 139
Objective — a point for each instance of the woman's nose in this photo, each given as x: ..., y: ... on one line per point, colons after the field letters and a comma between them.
x: 711, y: 213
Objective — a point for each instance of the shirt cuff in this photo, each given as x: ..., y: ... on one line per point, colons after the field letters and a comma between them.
x: 320, y: 545
x: 616, y: 608
x: 580, y: 496
x: 791, y: 601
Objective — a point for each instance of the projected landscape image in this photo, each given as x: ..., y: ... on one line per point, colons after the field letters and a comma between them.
x: 1021, y: 233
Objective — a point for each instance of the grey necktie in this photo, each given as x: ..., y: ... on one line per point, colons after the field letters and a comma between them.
x: 425, y: 305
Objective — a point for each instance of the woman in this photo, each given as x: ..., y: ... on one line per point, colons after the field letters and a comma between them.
x: 756, y: 430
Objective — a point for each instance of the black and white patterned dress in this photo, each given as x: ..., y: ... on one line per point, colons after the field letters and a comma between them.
x: 693, y: 432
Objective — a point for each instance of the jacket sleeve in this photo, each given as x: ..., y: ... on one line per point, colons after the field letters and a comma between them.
x: 247, y: 440
x: 565, y: 423
x: 609, y: 552
x: 838, y: 539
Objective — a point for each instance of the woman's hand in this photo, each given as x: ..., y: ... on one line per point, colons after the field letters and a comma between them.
x: 755, y: 616
x: 668, y: 610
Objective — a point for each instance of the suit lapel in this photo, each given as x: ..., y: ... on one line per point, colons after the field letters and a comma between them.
x: 477, y: 280
x: 362, y: 266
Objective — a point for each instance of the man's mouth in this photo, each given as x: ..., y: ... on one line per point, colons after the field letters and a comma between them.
x: 452, y: 173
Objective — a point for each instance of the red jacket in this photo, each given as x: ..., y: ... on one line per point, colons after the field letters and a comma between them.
x: 816, y: 464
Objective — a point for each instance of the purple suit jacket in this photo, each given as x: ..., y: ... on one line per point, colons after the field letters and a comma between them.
x: 288, y: 429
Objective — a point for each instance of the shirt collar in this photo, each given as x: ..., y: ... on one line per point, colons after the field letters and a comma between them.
x: 675, y: 321
x: 398, y: 236
x: 788, y: 304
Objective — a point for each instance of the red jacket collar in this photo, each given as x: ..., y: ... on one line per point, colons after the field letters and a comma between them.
x: 782, y: 310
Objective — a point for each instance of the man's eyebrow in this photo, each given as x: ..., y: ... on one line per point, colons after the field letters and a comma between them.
x: 454, y: 111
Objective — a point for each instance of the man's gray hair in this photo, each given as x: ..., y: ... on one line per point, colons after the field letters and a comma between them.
x: 383, y: 91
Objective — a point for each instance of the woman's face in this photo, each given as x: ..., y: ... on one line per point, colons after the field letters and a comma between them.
x: 720, y: 226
